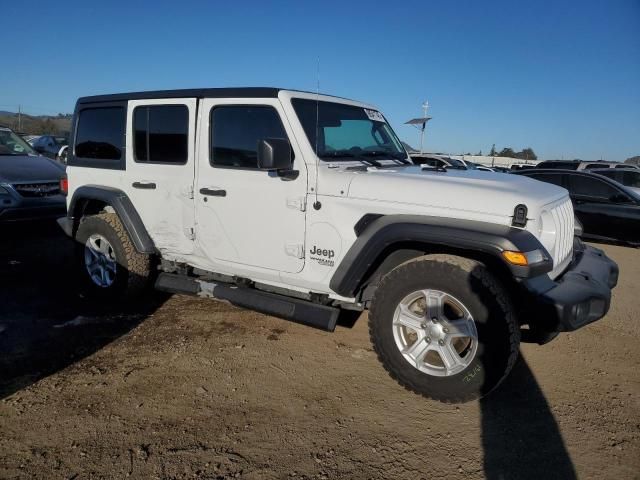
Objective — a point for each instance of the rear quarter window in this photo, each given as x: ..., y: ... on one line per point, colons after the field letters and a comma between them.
x: 99, y: 137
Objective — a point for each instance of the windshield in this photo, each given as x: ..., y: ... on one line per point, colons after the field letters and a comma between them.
x: 12, y: 144
x: 345, y: 131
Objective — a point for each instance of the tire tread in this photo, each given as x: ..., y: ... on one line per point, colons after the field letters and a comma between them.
x: 472, y: 267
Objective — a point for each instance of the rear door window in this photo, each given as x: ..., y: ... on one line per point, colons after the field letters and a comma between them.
x: 160, y: 134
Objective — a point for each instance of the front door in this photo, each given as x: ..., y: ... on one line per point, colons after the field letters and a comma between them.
x: 245, y: 215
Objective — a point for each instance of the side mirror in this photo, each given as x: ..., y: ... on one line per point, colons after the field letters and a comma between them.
x: 274, y: 154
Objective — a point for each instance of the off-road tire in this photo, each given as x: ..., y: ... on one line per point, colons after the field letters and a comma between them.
x: 486, y: 299
x: 133, y: 270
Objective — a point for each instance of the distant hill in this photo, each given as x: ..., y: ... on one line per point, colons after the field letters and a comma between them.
x: 37, y: 124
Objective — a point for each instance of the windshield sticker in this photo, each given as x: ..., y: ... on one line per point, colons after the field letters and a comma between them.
x: 374, y: 115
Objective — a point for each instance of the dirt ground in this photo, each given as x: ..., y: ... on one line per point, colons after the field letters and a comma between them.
x: 181, y: 387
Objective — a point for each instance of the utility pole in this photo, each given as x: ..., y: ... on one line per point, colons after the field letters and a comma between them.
x: 425, y: 107
x: 421, y: 124
x: 19, y: 118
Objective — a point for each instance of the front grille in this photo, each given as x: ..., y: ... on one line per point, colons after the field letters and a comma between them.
x: 563, y: 218
x: 34, y: 190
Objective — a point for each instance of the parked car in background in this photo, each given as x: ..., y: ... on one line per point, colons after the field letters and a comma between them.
x: 439, y: 161
x: 30, y: 184
x: 475, y: 166
x: 629, y: 177
x: 607, y: 209
x: 52, y: 146
x: 30, y: 138
x: 582, y: 165
x: 522, y: 166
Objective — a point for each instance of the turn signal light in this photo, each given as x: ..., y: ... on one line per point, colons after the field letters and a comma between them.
x: 515, y: 258
x: 64, y: 186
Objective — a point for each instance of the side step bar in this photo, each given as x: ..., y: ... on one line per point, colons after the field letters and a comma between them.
x: 296, y: 310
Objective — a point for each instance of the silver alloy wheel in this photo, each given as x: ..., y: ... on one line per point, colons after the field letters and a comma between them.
x: 100, y: 260
x: 435, y: 332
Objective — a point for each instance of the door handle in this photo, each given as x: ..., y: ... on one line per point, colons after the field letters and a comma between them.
x: 212, y: 192
x: 144, y: 185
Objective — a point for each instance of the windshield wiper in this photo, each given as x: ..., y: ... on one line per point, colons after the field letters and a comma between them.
x: 385, y: 153
x: 348, y: 154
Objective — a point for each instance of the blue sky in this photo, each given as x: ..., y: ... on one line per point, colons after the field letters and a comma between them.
x: 562, y: 77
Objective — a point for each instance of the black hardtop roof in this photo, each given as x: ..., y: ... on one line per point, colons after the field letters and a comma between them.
x: 236, y: 92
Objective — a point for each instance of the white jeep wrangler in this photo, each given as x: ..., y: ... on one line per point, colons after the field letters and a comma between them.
x: 307, y: 207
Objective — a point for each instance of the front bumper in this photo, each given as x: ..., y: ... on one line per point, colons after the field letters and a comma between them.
x: 17, y: 208
x: 581, y: 295
x: 33, y: 212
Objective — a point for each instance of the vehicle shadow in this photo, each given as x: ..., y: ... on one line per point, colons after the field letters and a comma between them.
x: 45, y: 325
x: 520, y: 437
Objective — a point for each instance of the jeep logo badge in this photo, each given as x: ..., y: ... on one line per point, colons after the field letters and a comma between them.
x: 323, y: 256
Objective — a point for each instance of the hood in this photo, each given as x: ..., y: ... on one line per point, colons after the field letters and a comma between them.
x: 26, y: 168
x: 487, y: 193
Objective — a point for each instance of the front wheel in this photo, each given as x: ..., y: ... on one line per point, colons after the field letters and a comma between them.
x: 443, y: 327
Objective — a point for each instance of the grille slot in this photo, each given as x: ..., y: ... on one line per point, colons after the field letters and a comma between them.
x: 562, y: 213
x: 36, y: 190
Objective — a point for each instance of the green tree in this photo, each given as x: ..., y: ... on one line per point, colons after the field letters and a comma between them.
x: 528, y: 154
x: 492, y: 153
x: 507, y: 152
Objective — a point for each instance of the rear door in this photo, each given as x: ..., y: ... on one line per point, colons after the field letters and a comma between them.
x: 160, y: 145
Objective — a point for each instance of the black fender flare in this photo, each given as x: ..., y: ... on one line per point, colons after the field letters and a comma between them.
x: 386, y: 231
x: 123, y: 207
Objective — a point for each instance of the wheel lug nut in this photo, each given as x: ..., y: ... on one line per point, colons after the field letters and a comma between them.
x: 445, y: 330
x: 440, y: 342
x: 428, y: 339
x: 434, y: 320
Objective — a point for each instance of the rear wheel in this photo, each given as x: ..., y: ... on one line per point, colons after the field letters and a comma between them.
x: 108, y: 263
x: 443, y: 327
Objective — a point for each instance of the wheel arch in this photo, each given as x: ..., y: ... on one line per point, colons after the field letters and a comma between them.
x: 391, y: 240
x: 92, y: 199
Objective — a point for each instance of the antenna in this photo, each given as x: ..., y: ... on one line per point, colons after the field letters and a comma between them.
x: 317, y: 205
